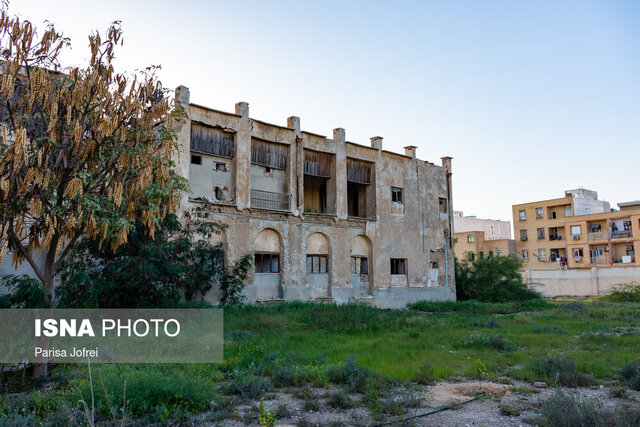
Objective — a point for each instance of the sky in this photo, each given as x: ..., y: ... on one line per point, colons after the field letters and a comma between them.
x: 529, y: 98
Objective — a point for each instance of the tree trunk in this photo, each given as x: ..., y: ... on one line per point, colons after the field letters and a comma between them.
x: 41, y: 369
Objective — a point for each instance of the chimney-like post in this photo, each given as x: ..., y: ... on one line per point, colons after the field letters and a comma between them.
x: 410, y: 151
x: 242, y: 109
x: 376, y: 142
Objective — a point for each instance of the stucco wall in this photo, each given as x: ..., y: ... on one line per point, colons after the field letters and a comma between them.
x: 584, y: 282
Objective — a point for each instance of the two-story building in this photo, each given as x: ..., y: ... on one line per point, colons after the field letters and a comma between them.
x: 326, y: 219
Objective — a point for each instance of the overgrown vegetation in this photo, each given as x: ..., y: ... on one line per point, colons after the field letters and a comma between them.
x: 568, y: 410
x: 297, y: 346
x: 625, y: 292
x: 492, y: 279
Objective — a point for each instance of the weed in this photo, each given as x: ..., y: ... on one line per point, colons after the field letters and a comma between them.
x: 516, y: 408
x: 619, y: 393
x: 425, y: 375
x: 547, y: 329
x: 562, y: 371
x: 250, y: 386
x: 350, y: 374
x: 283, y: 411
x: 491, y: 324
x: 265, y: 417
x: 339, y: 400
x: 630, y: 375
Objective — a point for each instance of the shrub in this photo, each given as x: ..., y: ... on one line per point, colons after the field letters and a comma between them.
x: 630, y: 375
x: 493, y: 279
x: 479, y: 339
x: 625, y: 292
x: 350, y: 374
x: 568, y: 410
x: 24, y: 292
x: 425, y: 375
x: 339, y: 400
x: 562, y: 371
x: 250, y: 386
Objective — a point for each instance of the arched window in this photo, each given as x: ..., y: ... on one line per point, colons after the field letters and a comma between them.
x: 360, y: 255
x: 317, y: 254
x: 268, y: 247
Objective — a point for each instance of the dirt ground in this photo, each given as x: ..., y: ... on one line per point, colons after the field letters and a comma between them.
x: 514, y: 404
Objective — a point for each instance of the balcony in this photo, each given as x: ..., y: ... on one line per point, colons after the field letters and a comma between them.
x: 602, y: 260
x: 622, y: 234
x: 269, y: 200
x: 598, y: 235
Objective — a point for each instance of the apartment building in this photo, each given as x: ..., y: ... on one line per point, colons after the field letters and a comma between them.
x: 476, y: 237
x: 576, y: 231
x: 326, y: 218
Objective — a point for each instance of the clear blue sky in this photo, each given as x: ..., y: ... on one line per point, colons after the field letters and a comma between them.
x: 530, y: 98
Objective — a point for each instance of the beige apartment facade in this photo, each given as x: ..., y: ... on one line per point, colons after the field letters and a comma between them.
x: 472, y: 245
x: 326, y: 219
x: 577, y: 231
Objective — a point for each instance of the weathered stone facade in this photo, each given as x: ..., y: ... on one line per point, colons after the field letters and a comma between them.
x: 327, y: 219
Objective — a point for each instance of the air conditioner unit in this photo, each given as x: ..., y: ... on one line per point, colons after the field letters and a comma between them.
x: 523, y: 238
x: 606, y: 248
x: 576, y: 237
x: 577, y: 259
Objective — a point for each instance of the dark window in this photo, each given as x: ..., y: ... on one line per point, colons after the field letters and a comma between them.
x: 480, y: 255
x: 540, y: 233
x: 221, y: 167
x: 434, y: 265
x: 472, y: 256
x: 212, y: 140
x: 359, y: 265
x: 490, y: 254
x: 396, y: 194
x: 523, y: 234
x: 443, y: 205
x: 196, y: 160
x: 553, y: 215
x: 316, y: 264
x: 267, y: 263
x: 398, y: 266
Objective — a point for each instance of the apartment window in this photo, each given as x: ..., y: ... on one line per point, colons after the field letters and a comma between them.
x: 525, y: 255
x: 542, y: 254
x: 480, y: 255
x: 523, y: 215
x: 471, y: 255
x: 490, y: 254
x: 575, y: 230
x: 359, y: 265
x: 396, y: 194
x: 630, y: 250
x: 577, y: 254
x: 443, y: 205
x: 539, y: 213
x: 595, y: 228
x: 470, y: 238
x: 267, y: 262
x: 316, y: 264
x: 398, y: 266
x: 540, y: 233
x: 523, y: 235
x: 196, y: 160
x: 434, y: 265
x: 553, y: 214
x: 221, y: 167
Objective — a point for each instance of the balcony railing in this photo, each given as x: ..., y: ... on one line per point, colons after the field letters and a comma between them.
x: 268, y: 200
x: 600, y: 259
x: 599, y: 235
x: 620, y: 234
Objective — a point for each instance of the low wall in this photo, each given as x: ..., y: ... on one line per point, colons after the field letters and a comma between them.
x: 583, y: 282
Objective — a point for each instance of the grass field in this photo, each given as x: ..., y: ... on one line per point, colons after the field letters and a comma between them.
x: 298, y: 344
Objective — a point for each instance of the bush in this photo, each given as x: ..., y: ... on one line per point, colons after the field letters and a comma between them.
x: 625, y: 292
x: 562, y: 371
x: 153, y: 272
x: 350, y: 374
x: 493, y: 279
x: 630, y: 375
x: 339, y: 400
x: 425, y: 375
x: 568, y: 410
x: 250, y: 386
x: 24, y: 292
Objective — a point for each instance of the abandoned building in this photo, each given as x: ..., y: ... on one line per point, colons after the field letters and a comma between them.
x: 326, y: 219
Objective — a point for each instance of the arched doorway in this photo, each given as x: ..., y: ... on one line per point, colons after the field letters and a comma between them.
x: 317, y: 265
x: 361, y: 266
x: 268, y: 254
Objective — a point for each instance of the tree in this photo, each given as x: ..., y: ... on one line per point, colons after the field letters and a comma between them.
x: 178, y: 262
x: 86, y: 152
x: 492, y: 279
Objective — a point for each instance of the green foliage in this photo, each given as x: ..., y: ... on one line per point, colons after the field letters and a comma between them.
x: 425, y: 375
x: 352, y: 375
x: 630, y: 375
x: 492, y: 279
x: 625, y: 292
x: 568, y: 410
x: 148, y: 271
x: 233, y: 280
x: 158, y: 391
x: 477, y: 307
x: 24, y: 292
x: 562, y: 371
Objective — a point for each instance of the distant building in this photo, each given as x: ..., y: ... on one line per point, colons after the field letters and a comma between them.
x: 576, y: 231
x: 476, y: 238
